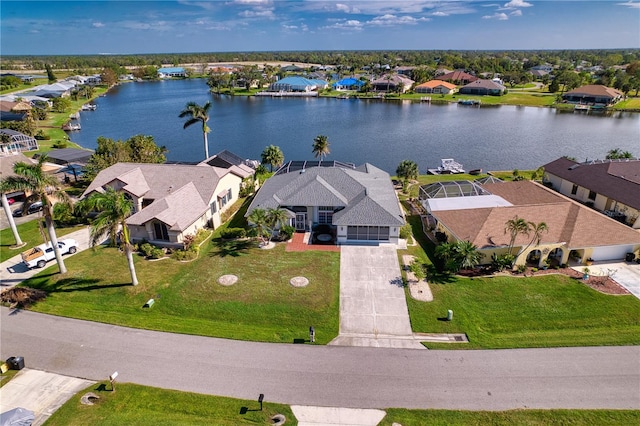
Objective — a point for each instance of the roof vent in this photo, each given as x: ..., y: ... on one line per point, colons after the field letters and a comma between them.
x: 575, y: 166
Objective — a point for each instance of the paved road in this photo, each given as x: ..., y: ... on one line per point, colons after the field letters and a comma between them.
x: 595, y: 377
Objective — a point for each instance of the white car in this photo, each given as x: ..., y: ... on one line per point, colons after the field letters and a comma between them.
x: 40, y: 255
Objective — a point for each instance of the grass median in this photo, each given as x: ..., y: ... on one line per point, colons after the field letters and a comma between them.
x: 261, y: 306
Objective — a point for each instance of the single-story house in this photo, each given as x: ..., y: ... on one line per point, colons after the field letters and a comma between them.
x: 575, y: 232
x: 65, y: 156
x: 392, y: 83
x: 359, y: 203
x: 171, y: 201
x: 436, y: 86
x: 593, y: 94
x: 16, y: 142
x: 457, y: 77
x: 610, y: 186
x: 297, y: 84
x: 169, y: 72
x: 348, y: 83
x: 482, y: 87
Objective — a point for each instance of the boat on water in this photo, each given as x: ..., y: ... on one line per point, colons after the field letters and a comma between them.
x: 472, y: 102
x: 581, y: 107
x: 71, y: 126
x: 448, y: 166
x: 89, y: 107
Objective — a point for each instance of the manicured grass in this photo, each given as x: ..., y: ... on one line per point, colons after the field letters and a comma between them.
x: 261, y: 306
x: 514, y: 312
x: 30, y: 234
x: 511, y: 417
x: 133, y: 404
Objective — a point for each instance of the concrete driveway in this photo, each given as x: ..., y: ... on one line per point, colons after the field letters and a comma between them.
x: 373, y: 308
x: 625, y: 274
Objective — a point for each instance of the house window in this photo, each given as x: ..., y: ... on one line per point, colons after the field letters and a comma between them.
x: 325, y: 215
x: 574, y: 189
x: 229, y: 195
x: 592, y: 195
x: 161, y: 232
x: 214, y: 207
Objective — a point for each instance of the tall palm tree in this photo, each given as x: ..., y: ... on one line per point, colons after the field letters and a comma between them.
x: 276, y: 218
x: 41, y: 186
x: 114, y: 209
x: 515, y: 227
x: 198, y: 114
x: 320, y: 147
x: 536, y: 229
x: 273, y: 156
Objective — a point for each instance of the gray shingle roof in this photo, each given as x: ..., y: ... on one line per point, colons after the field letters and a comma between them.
x: 366, y: 193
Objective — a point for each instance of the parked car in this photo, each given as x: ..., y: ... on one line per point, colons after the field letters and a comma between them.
x: 39, y: 256
x: 33, y: 208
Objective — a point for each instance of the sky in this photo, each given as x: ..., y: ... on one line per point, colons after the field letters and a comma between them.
x: 129, y: 27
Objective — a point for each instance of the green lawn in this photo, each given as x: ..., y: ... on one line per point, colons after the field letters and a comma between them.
x: 262, y: 306
x: 133, y: 404
x: 511, y: 417
x: 514, y: 312
x: 30, y: 234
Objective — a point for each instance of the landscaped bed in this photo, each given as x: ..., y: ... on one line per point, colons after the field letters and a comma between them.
x: 261, y: 306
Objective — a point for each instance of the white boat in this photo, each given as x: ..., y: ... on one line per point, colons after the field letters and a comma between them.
x: 89, y: 107
x: 71, y: 126
x: 74, y: 116
x: 448, y: 166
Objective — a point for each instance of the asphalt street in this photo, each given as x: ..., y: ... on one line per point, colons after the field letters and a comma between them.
x: 302, y: 374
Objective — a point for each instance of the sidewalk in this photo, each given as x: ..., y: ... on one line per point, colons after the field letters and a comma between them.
x: 13, y: 271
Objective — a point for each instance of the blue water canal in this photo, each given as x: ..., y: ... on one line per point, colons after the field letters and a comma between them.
x: 378, y: 132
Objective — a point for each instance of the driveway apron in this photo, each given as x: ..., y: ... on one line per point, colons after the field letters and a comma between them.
x: 373, y: 308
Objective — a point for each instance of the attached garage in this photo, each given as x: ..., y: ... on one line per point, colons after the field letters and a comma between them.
x: 367, y: 233
x: 611, y: 252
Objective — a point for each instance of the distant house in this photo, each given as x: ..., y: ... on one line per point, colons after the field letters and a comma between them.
x: 457, y: 77
x: 171, y: 201
x: 436, y: 86
x: 407, y: 71
x: 297, y: 84
x: 545, y: 67
x: 291, y: 68
x: 611, y: 186
x: 13, y: 141
x: 575, y: 232
x: 358, y: 203
x: 538, y: 73
x: 482, y: 87
x: 392, y: 83
x: 349, y: 83
x: 593, y: 94
x: 172, y: 72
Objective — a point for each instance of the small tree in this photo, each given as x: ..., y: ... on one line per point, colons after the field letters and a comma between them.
x: 258, y: 218
x: 407, y: 170
x: 320, y: 147
x: 273, y: 156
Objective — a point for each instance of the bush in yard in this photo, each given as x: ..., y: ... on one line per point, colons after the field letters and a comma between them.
x: 405, y: 231
x: 156, y: 253
x: 185, y: 254
x: 146, y: 249
x: 233, y: 233
x: 286, y: 232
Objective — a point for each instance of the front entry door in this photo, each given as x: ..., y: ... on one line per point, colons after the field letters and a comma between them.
x: 301, y: 221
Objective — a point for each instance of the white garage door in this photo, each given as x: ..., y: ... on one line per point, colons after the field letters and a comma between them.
x: 611, y: 252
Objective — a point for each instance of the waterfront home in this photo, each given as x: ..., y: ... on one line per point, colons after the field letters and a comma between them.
x: 482, y: 87
x: 392, y: 83
x: 349, y: 83
x: 593, y: 94
x: 469, y: 211
x: 171, y: 201
x: 436, y: 87
x: 457, y: 77
x: 357, y: 204
x: 170, y: 72
x: 61, y: 89
x: 297, y: 84
x: 610, y: 186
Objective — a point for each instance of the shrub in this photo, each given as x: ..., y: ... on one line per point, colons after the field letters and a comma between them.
x: 184, y: 254
x: 286, y: 232
x: 501, y: 262
x: 405, y: 231
x: 233, y: 233
x: 41, y: 136
x: 441, y: 237
x: 522, y: 268
x: 156, y: 253
x: 146, y: 249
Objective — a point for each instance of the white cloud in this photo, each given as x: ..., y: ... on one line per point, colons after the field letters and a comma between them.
x: 258, y: 13
x: 97, y: 25
x: 439, y: 14
x: 631, y: 4
x: 514, y: 4
x: 351, y: 24
x: 516, y: 12
x: 498, y: 16
x: 390, y: 20
x: 253, y: 2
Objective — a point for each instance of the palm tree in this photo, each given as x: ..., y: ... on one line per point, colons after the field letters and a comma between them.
x: 198, y: 114
x: 407, y: 170
x: 12, y: 223
x: 258, y: 218
x: 515, y: 227
x: 467, y: 254
x: 32, y: 179
x: 276, y: 218
x: 273, y: 156
x: 536, y: 229
x: 320, y: 147
x: 114, y: 209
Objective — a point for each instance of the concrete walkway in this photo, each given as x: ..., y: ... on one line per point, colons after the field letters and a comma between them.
x: 333, y: 416
x: 13, y: 271
x: 373, y: 308
x: 39, y: 391
x: 625, y: 274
